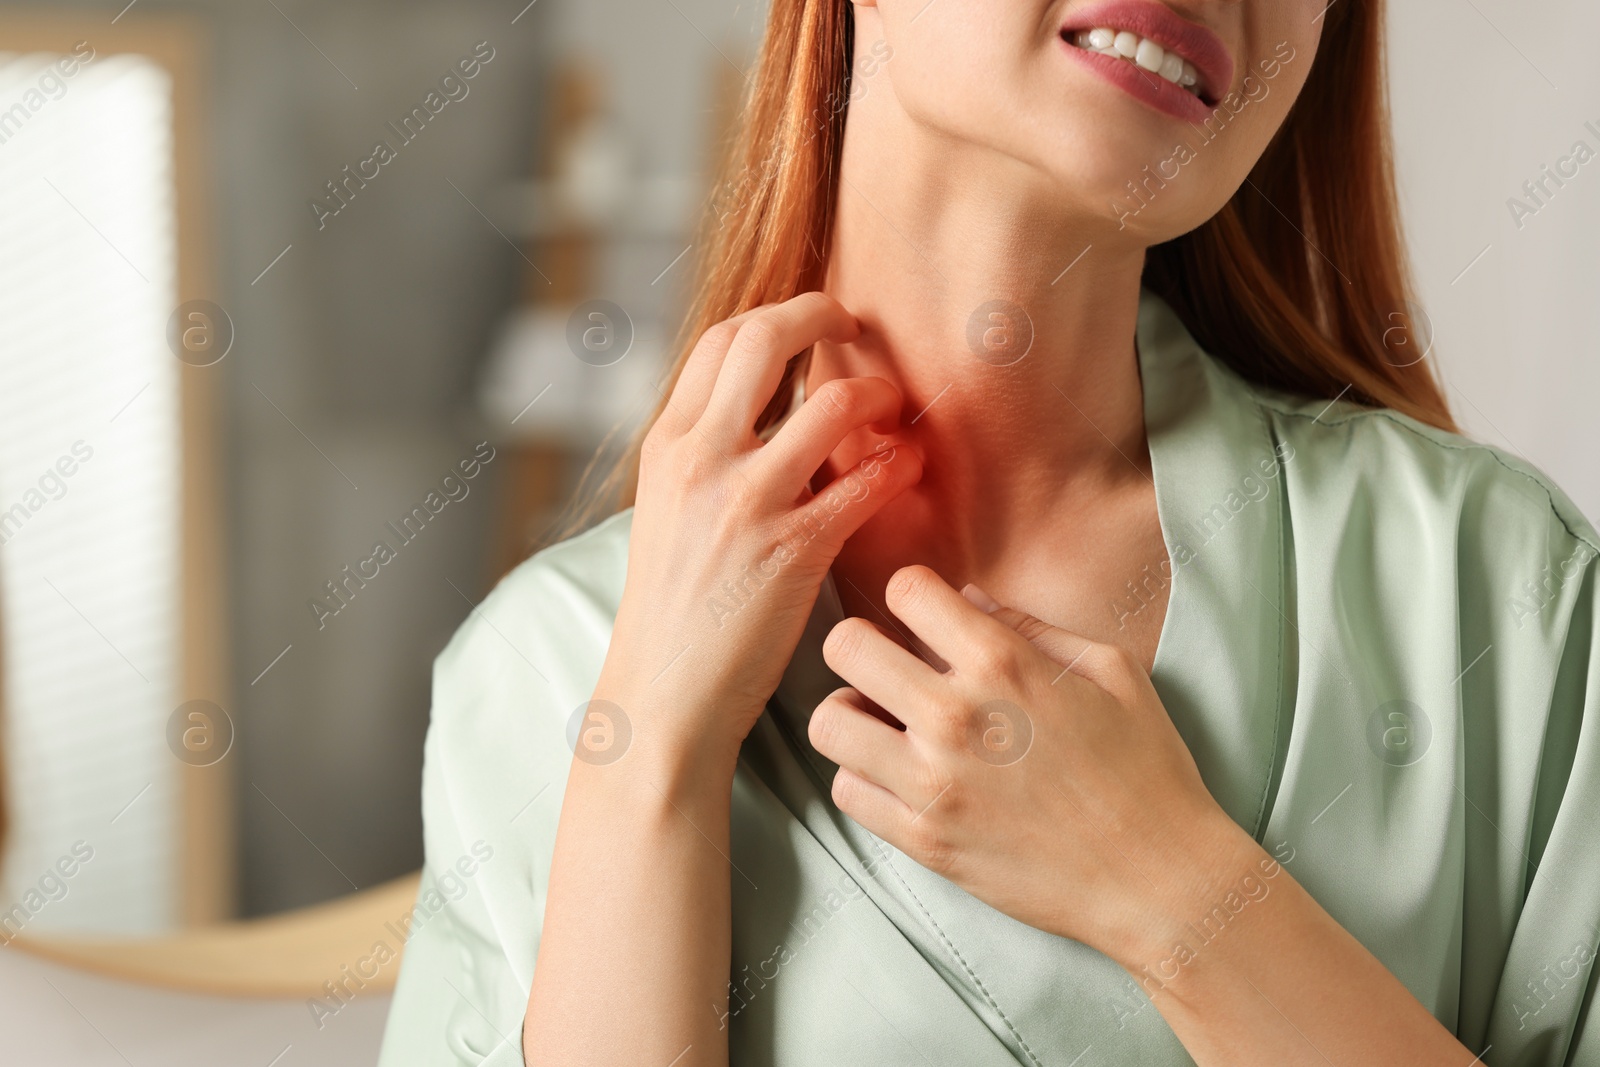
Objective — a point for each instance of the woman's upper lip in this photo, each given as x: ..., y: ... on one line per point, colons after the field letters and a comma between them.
x: 1168, y: 29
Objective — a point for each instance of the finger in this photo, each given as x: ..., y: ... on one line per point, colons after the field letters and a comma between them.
x: 761, y: 348
x: 1064, y: 647
x: 874, y: 807
x: 957, y: 631
x: 846, y: 732
x: 845, y: 504
x: 828, y: 416
x: 1106, y: 666
x: 855, y: 449
x: 687, y: 397
x: 881, y: 670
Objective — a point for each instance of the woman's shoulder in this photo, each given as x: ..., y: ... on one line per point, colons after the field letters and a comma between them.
x: 581, y: 576
x: 593, y: 562
x: 1348, y: 455
x: 543, y: 630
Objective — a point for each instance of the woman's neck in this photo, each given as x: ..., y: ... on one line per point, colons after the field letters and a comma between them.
x: 936, y: 248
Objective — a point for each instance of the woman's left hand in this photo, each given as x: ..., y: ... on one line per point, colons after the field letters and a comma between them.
x: 1040, y: 771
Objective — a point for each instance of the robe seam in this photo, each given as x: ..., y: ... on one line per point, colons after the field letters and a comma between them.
x: 988, y: 997
x: 806, y: 757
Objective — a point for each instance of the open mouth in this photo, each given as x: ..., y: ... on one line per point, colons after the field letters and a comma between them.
x: 1176, y: 66
x: 1142, y: 52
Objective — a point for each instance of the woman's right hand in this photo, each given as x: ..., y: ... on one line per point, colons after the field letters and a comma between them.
x: 729, y: 544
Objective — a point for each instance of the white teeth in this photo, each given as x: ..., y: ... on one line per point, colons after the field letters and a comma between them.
x: 1146, y: 54
x: 1150, y: 56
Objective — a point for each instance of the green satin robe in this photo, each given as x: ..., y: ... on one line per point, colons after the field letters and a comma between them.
x: 1380, y: 647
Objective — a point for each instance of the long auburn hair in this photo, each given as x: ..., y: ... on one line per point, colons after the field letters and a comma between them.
x: 1299, y: 283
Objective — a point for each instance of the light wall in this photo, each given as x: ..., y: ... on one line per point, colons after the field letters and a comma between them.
x: 1486, y: 93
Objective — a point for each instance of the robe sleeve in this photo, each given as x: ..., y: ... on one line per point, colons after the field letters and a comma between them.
x: 1533, y: 800
x: 457, y: 1000
x: 494, y: 769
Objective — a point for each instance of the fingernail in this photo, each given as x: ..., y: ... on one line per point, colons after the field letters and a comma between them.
x: 981, y: 600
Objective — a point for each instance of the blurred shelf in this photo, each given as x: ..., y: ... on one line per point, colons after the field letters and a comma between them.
x: 288, y: 955
x: 533, y: 387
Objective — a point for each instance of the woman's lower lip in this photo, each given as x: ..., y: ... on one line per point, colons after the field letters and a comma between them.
x: 1139, y: 83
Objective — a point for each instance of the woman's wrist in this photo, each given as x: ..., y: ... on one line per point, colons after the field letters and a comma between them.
x: 657, y: 735
x: 1212, y: 875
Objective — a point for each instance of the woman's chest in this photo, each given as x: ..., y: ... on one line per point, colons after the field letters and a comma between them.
x: 1104, y: 574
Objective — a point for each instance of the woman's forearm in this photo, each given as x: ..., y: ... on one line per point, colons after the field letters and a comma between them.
x: 1254, y: 972
x: 633, y: 966
x: 636, y: 945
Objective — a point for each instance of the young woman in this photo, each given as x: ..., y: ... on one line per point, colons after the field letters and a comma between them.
x: 1057, y: 623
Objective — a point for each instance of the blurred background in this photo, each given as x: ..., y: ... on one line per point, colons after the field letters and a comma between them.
x: 282, y: 282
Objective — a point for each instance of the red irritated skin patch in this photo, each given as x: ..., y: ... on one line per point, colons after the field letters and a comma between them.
x: 1175, y: 66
